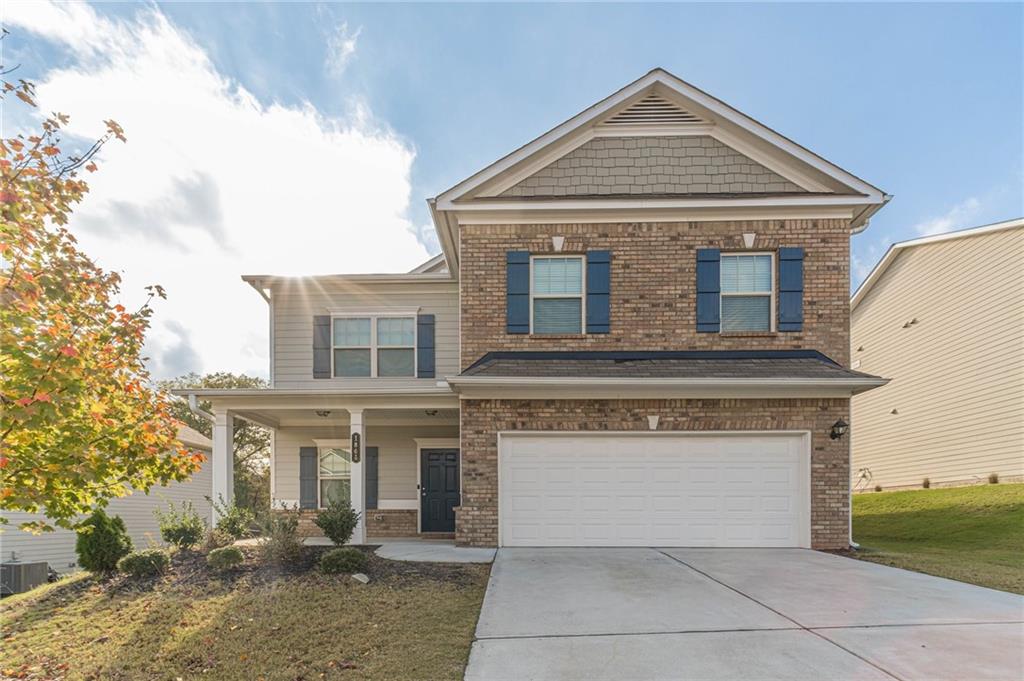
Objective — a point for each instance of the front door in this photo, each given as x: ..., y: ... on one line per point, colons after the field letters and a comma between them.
x: 439, y: 489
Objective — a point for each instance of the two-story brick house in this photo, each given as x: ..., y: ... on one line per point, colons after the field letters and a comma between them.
x: 637, y: 334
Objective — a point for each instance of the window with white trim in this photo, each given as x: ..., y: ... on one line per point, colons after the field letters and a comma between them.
x: 374, y: 346
x: 556, y: 294
x: 334, y: 473
x: 748, y: 285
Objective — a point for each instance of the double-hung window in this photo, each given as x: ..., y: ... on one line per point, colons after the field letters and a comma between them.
x: 556, y: 294
x: 334, y: 471
x: 747, y: 292
x: 374, y: 346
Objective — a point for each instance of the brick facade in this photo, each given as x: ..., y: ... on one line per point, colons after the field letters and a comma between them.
x: 653, y: 307
x: 652, y: 165
x: 482, y: 420
x: 379, y: 523
x: 653, y: 284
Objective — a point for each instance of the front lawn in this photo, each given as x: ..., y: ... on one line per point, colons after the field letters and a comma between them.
x: 972, y: 534
x: 412, y: 621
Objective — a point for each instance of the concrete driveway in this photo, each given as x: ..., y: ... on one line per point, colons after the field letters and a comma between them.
x: 736, y: 614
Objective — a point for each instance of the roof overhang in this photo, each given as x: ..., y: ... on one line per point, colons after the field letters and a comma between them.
x: 435, y: 396
x: 505, y: 387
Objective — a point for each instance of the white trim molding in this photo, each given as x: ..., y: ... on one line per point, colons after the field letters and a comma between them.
x: 431, y: 443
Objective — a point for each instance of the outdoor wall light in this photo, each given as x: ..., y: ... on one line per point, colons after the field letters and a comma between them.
x: 430, y: 412
x: 323, y: 413
x: 839, y: 429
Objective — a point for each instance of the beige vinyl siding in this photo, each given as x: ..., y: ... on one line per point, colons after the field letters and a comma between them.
x: 957, y: 374
x: 58, y: 548
x: 397, y: 463
x: 297, y: 302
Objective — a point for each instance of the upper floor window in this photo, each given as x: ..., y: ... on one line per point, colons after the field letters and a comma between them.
x: 748, y: 300
x: 374, y: 346
x: 556, y: 294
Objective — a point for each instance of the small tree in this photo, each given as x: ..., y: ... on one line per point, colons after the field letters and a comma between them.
x: 101, y: 542
x: 79, y: 422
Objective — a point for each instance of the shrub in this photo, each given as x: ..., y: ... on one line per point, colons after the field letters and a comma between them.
x: 343, y: 560
x: 226, y: 558
x: 338, y: 521
x: 144, y: 563
x: 215, y: 539
x: 926, y: 483
x: 183, y: 528
x: 235, y: 520
x: 101, y: 542
x: 281, y: 542
x: 878, y: 488
x: 993, y: 478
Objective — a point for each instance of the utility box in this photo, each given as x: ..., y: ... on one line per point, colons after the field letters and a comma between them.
x: 18, y: 577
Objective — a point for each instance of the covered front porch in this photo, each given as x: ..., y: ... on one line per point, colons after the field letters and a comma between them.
x: 393, y: 455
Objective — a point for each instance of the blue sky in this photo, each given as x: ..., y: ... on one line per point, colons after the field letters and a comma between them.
x: 925, y: 101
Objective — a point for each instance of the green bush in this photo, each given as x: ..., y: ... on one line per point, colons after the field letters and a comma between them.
x: 215, y: 539
x: 338, y: 521
x: 144, y: 563
x: 101, y: 542
x: 342, y: 561
x: 281, y: 542
x: 233, y: 519
x: 184, y: 528
x: 225, y: 558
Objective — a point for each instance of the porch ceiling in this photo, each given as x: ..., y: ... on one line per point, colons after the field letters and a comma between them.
x: 287, y: 418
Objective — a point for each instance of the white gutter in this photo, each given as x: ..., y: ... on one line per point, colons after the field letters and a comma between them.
x: 193, y: 405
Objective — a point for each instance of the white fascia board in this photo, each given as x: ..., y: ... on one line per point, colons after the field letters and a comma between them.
x: 428, y: 266
x: 501, y: 387
x: 447, y: 235
x: 640, y: 203
x: 383, y: 278
x: 890, y: 254
x: 545, y: 217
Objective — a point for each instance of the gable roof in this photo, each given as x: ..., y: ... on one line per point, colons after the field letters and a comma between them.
x: 894, y: 250
x: 656, y: 103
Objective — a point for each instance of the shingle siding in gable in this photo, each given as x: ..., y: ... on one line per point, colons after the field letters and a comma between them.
x: 652, y: 165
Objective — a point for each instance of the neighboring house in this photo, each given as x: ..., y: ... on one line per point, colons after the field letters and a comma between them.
x: 58, y: 548
x: 943, y: 317
x: 637, y: 335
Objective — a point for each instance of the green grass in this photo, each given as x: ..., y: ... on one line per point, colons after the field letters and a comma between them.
x: 414, y: 624
x: 972, y: 534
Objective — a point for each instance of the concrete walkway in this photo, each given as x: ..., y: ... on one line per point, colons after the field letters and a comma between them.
x: 736, y: 614
x: 431, y: 551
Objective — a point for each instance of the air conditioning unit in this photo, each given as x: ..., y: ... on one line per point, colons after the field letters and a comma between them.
x: 18, y: 577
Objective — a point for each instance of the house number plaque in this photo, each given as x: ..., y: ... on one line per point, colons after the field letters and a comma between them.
x: 355, y: 447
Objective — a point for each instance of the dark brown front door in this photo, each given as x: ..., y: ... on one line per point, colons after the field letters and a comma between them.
x: 439, y: 489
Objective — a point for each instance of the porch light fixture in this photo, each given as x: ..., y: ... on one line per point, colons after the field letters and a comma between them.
x: 430, y: 412
x: 839, y: 429
x: 323, y: 413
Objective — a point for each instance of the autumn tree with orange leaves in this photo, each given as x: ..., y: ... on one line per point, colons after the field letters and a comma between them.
x: 80, y: 422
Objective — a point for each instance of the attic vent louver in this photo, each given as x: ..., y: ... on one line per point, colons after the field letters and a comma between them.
x: 652, y: 109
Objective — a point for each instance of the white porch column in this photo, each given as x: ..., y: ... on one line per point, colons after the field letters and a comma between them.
x: 359, y: 476
x: 223, y: 463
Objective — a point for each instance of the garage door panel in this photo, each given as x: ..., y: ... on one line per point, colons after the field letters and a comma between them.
x: 694, y: 490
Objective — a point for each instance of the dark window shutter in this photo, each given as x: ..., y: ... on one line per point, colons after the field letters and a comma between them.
x: 517, y: 309
x: 791, y: 289
x: 709, y: 287
x: 322, y: 346
x: 599, y: 275
x: 425, y: 346
x: 371, y: 476
x: 307, y: 477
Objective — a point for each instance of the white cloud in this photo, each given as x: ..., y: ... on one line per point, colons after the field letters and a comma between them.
x: 341, y: 47
x: 959, y: 216
x: 214, y: 183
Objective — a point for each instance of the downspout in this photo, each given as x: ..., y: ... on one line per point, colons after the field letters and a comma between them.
x: 193, y: 405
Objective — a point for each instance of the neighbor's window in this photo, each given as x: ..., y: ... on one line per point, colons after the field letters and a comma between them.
x: 557, y: 295
x: 374, y: 346
x: 747, y: 292
x: 335, y: 472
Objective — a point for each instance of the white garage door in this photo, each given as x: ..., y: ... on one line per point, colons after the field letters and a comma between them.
x: 654, y: 490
